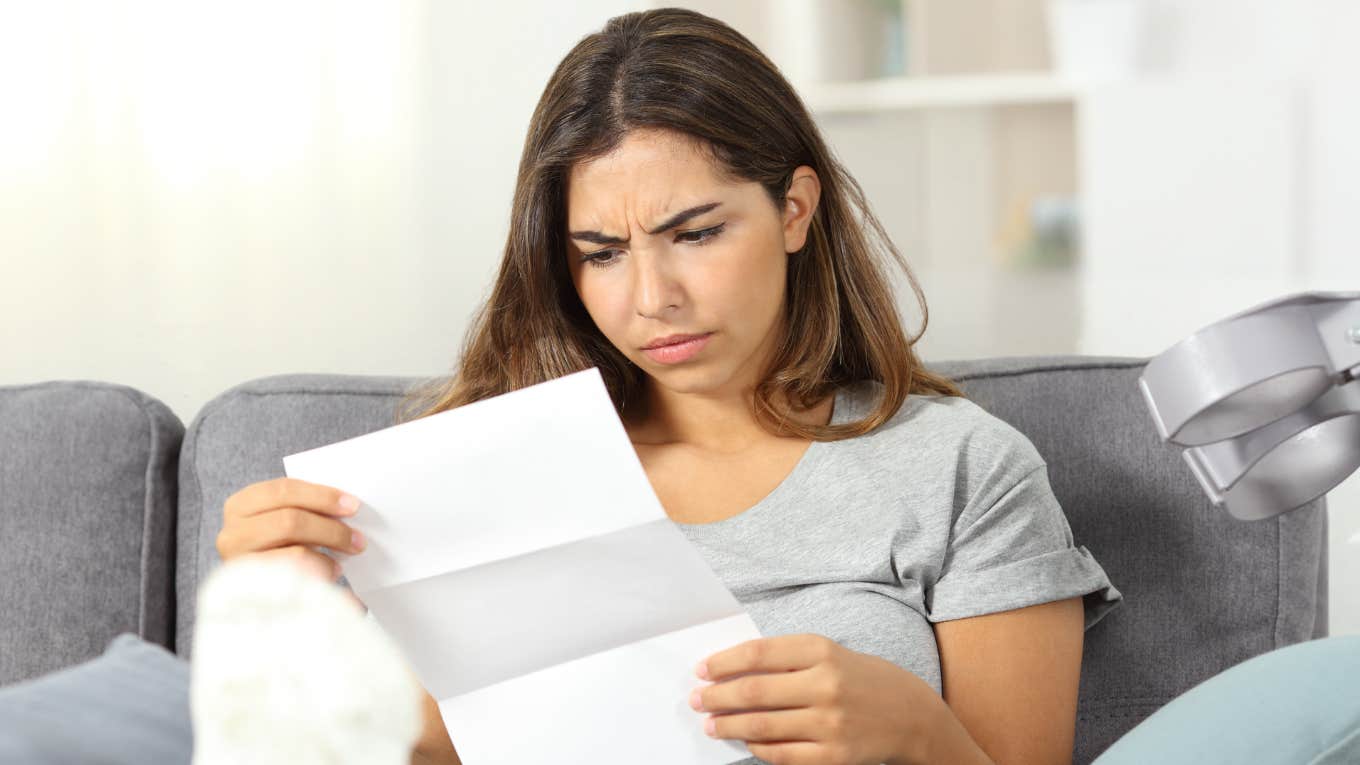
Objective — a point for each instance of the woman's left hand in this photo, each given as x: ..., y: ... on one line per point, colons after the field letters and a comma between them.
x: 814, y: 701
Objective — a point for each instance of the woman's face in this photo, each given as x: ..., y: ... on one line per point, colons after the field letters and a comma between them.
x: 660, y: 246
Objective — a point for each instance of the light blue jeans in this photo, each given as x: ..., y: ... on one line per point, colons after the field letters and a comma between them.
x: 1298, y: 705
x: 128, y: 705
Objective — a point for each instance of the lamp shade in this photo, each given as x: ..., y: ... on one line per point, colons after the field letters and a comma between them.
x: 1266, y: 400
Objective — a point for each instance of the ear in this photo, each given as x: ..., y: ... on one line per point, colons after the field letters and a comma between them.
x: 800, y: 202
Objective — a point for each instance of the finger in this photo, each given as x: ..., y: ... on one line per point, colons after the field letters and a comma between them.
x: 285, y: 527
x: 305, y: 560
x: 293, y: 526
x: 783, y: 653
x: 289, y: 492
x: 779, y: 690
x: 797, y: 752
x: 779, y: 725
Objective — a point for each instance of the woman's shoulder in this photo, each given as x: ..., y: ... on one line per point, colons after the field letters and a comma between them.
x: 952, y: 423
x: 954, y: 412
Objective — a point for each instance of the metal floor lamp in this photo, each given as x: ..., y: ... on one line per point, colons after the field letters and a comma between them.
x: 1267, y: 402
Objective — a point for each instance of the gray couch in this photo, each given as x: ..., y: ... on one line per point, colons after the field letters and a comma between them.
x: 109, y: 509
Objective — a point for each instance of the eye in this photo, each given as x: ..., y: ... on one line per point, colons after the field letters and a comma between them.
x: 701, y: 237
x: 600, y: 259
x: 605, y: 258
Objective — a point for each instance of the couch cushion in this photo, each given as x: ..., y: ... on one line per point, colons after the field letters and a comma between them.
x: 1202, y: 590
x: 241, y: 437
x: 87, y: 512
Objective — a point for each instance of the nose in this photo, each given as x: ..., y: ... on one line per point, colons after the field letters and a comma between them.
x: 656, y: 292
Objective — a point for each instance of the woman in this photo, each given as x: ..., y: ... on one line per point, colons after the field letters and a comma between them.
x: 679, y: 223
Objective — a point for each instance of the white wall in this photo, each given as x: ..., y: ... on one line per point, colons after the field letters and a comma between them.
x: 1227, y: 180
x: 194, y: 195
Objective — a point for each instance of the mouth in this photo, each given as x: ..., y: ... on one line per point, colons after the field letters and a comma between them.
x: 674, y: 349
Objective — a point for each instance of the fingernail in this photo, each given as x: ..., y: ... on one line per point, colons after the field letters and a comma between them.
x: 358, y: 540
x: 702, y: 670
x: 696, y: 701
x: 348, y: 504
x: 710, y: 727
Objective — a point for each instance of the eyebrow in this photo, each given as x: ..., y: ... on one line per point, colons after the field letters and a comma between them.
x: 595, y: 237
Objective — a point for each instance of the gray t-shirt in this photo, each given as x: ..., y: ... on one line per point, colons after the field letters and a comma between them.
x: 942, y: 512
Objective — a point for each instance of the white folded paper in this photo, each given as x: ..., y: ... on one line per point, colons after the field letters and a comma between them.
x: 519, y: 558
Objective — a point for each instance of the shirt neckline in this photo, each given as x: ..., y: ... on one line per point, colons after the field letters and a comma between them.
x: 795, y: 478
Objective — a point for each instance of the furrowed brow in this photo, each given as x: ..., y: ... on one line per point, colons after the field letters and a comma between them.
x: 595, y: 237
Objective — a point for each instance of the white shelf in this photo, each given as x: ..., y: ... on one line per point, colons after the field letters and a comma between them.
x: 955, y: 91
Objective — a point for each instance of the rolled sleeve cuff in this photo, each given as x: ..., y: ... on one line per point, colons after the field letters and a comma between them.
x: 1044, y: 578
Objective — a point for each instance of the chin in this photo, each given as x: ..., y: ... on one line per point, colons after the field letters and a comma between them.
x: 686, y: 378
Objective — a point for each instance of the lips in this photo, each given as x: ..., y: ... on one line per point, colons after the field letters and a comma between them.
x: 671, y: 340
x: 676, y: 348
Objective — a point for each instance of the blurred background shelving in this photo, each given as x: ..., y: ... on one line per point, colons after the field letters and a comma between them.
x: 927, y: 92
x: 950, y: 116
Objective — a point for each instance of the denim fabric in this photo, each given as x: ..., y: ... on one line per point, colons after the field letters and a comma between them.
x: 1298, y: 705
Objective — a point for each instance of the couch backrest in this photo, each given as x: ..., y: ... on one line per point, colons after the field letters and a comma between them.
x: 87, y: 513
x: 1202, y: 591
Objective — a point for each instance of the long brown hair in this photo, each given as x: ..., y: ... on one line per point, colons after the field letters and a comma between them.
x: 681, y: 71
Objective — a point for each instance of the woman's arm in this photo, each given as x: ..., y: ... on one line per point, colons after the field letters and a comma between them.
x: 1010, y: 679
x: 434, y: 746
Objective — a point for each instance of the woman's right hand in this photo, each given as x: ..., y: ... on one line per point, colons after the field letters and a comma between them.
x: 287, y: 518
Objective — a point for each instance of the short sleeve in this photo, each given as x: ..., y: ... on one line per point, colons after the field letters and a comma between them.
x: 1010, y: 547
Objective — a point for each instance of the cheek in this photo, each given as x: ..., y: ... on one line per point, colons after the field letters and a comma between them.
x: 750, y: 286
x: 607, y: 305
